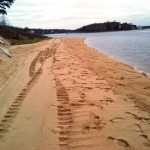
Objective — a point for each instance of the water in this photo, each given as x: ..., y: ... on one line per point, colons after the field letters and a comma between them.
x: 129, y: 47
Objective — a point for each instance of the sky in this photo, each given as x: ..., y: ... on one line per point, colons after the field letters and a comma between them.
x: 72, y: 14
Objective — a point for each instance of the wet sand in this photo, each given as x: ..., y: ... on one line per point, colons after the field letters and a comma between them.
x: 60, y: 94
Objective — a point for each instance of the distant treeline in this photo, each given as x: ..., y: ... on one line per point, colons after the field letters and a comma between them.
x: 49, y: 31
x: 97, y: 27
x: 107, y: 26
x: 146, y: 27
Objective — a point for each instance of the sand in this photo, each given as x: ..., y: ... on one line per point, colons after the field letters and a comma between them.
x: 62, y: 95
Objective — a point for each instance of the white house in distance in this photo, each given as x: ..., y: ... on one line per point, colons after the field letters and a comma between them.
x: 140, y: 27
x: 31, y: 31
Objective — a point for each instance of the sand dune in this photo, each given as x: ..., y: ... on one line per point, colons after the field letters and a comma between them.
x: 71, y: 97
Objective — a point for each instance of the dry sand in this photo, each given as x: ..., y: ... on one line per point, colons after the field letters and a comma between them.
x: 62, y: 95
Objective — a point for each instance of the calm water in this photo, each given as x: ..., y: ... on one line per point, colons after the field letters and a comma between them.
x: 130, y: 47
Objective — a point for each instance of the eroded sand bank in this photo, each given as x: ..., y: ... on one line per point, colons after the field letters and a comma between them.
x: 70, y: 97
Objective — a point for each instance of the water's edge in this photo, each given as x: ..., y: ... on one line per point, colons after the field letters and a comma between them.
x: 140, y: 71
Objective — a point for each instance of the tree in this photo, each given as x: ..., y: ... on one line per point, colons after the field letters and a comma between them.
x: 5, y: 4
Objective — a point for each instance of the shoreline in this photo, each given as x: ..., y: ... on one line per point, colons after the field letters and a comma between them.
x: 131, y: 69
x: 73, y: 97
x: 119, y: 60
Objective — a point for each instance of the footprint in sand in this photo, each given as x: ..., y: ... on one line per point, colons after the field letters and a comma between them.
x: 120, y: 142
x: 138, y: 117
x: 116, y: 120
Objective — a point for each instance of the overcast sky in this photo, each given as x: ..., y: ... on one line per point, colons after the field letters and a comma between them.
x: 71, y: 14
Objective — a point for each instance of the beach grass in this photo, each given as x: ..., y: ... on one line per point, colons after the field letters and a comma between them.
x: 26, y: 41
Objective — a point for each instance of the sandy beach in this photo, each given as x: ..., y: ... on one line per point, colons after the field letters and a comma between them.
x: 60, y: 94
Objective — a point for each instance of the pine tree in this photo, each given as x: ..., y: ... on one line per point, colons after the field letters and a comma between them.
x: 5, y: 4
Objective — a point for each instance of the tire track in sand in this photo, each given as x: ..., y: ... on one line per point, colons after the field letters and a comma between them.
x: 78, y: 121
x: 34, y: 71
x: 64, y: 116
x: 92, y: 116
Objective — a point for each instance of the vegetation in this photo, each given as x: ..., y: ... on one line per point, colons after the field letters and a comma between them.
x: 27, y: 41
x: 18, y: 36
x: 146, y: 27
x: 50, y: 31
x: 96, y: 27
x: 5, y: 4
x: 107, y: 26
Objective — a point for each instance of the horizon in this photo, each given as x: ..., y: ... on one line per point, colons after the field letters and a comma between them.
x: 65, y: 14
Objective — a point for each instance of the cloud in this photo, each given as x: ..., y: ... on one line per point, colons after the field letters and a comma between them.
x: 75, y: 13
